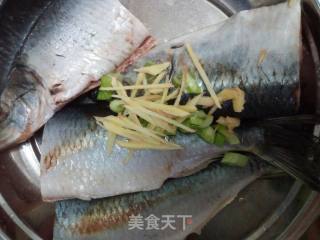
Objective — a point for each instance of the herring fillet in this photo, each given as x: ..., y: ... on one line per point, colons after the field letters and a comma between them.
x: 201, y: 196
x: 70, y: 46
x: 75, y: 162
x: 256, y: 50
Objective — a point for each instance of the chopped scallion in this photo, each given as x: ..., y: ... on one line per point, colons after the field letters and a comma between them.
x: 207, y: 134
x: 143, y: 122
x: 231, y: 138
x: 105, y: 82
x: 104, y: 95
x: 235, y: 159
x: 219, y: 139
x: 117, y: 106
x: 193, y: 84
x: 177, y: 79
x: 199, y: 120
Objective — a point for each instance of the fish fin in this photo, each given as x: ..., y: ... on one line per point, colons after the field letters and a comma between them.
x: 275, y: 173
x: 299, y: 167
x: 289, y: 143
x: 305, y: 119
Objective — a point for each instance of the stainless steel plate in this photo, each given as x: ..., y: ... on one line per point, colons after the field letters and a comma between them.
x: 278, y: 208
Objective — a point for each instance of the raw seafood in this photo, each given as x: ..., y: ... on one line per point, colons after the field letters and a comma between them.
x: 64, y: 53
x: 200, y: 197
x: 256, y: 50
x: 75, y: 162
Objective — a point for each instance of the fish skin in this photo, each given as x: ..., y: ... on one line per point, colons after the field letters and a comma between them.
x: 79, y: 166
x: 16, y: 21
x: 257, y: 50
x: 75, y: 162
x: 202, y: 195
x: 66, y: 51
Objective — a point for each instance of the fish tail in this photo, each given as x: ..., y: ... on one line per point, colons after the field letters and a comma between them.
x: 298, y: 167
x: 290, y: 144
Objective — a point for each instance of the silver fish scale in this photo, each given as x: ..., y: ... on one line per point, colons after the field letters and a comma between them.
x: 80, y: 38
x: 71, y: 45
x: 82, y: 167
x: 77, y: 219
x: 92, y: 173
x: 241, y: 52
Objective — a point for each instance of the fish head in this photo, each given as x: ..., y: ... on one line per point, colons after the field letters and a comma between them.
x: 25, y: 104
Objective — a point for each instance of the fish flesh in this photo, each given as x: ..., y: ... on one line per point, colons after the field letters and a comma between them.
x: 61, y: 52
x: 256, y: 50
x: 74, y: 158
x: 200, y: 197
x: 60, y: 61
x: 75, y: 162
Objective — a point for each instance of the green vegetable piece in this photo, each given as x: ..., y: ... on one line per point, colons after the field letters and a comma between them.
x: 143, y: 122
x: 104, y: 95
x: 193, y: 84
x: 200, y: 119
x: 219, y: 139
x: 221, y: 128
x: 106, y: 81
x: 231, y: 138
x: 207, y: 134
x: 207, y: 121
x: 150, y: 78
x: 195, y: 122
x: 177, y: 79
x: 235, y: 159
x: 117, y: 106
